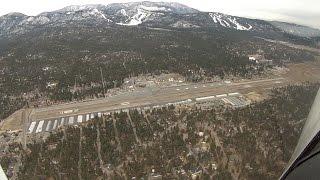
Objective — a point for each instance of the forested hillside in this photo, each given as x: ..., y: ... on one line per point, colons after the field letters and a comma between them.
x: 253, y: 142
x: 63, y: 56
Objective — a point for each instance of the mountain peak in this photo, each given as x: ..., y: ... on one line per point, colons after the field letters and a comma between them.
x: 145, y: 13
x: 14, y: 14
x: 295, y: 29
x: 156, y: 6
x: 75, y: 8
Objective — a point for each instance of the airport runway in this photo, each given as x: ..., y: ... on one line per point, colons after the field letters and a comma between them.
x: 150, y: 97
x: 49, y: 118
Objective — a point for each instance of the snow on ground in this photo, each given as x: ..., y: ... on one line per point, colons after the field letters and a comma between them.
x: 95, y: 12
x: 137, y: 18
x: 38, y: 20
x: 229, y: 22
x: 213, y: 17
x: 143, y: 12
x: 74, y: 8
x: 184, y: 24
x: 218, y: 18
x: 154, y: 8
x: 239, y: 26
x: 224, y: 22
x: 123, y: 12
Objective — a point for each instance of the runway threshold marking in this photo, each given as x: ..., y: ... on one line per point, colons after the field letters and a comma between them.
x: 61, y: 122
x: 55, y: 124
x: 48, y: 126
x: 32, y: 126
x: 80, y: 117
x: 39, y: 127
x: 71, y: 120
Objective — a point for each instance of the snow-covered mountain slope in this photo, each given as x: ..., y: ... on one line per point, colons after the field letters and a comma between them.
x: 150, y: 14
x: 141, y: 15
x: 296, y: 29
x: 10, y: 22
x: 138, y: 12
x: 229, y: 21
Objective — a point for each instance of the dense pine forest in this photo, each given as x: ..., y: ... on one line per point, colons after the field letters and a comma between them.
x: 68, y: 56
x: 254, y: 142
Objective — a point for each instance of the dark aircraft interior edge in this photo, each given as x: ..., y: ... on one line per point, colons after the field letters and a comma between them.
x: 297, y: 171
x: 306, y: 165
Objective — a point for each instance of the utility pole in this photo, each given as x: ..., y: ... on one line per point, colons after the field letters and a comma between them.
x: 102, y: 80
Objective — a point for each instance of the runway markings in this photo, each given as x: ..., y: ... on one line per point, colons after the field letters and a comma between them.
x: 80, y: 117
x: 55, y: 124
x: 233, y: 94
x: 125, y: 103
x: 31, y: 127
x: 205, y: 98
x: 61, y: 122
x: 71, y: 120
x: 77, y: 118
x: 48, y: 126
x: 39, y: 127
x: 222, y: 95
x: 52, y: 124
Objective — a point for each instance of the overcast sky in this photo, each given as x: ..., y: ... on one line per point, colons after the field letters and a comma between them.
x: 306, y: 12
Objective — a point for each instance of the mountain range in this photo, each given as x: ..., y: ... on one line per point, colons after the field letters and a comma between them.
x: 145, y: 14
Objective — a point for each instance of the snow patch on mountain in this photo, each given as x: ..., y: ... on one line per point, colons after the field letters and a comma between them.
x: 97, y: 13
x: 184, y: 24
x: 37, y: 20
x: 75, y: 8
x: 137, y: 18
x: 219, y: 18
x: 148, y: 8
x: 295, y: 29
x: 123, y: 12
x: 140, y: 13
x: 238, y: 25
x: 229, y: 22
x: 145, y: 13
